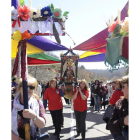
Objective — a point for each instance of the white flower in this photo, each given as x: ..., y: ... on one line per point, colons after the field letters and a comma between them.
x: 14, y: 13
x: 34, y: 13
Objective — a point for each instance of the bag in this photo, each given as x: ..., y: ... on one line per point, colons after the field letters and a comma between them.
x: 108, y: 113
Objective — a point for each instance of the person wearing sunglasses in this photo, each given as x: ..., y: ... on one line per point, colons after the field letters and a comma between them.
x: 117, y: 93
x: 35, y: 113
x: 118, y: 123
x: 55, y: 106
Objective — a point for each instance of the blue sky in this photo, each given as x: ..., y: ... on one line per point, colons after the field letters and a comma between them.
x: 86, y: 18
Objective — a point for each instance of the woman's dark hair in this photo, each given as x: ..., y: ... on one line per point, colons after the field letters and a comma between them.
x: 98, y: 82
x: 114, y: 82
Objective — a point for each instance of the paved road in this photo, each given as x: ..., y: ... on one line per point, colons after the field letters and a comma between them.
x: 95, y: 126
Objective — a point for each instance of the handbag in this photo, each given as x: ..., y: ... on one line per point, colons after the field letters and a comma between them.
x: 108, y: 114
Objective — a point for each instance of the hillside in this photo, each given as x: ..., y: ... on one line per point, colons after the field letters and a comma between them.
x: 42, y: 73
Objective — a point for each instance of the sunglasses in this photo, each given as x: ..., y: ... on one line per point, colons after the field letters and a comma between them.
x: 31, y: 87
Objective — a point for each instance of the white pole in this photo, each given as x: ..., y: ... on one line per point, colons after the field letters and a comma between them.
x: 30, y: 3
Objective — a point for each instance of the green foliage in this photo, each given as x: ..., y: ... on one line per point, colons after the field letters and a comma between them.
x: 65, y: 14
x: 22, y: 2
x: 51, y: 6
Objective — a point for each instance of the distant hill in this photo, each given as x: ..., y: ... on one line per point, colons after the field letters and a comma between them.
x: 104, y: 75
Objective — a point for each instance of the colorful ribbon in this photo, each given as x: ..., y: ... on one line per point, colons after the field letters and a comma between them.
x: 15, y: 21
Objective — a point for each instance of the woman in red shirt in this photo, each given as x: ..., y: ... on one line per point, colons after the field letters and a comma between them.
x: 52, y: 94
x: 80, y: 96
x: 117, y: 93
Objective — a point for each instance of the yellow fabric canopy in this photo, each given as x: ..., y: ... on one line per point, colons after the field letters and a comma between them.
x: 89, y: 53
x: 30, y: 49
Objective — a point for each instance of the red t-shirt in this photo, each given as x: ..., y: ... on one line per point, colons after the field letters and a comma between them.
x: 80, y: 104
x: 116, y: 96
x: 54, y: 99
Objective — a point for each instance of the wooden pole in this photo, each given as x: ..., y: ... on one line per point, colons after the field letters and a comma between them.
x: 25, y: 101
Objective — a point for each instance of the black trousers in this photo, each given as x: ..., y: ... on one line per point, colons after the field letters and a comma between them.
x: 80, y: 122
x: 66, y: 100
x: 92, y: 101
x: 62, y: 118
x: 57, y: 119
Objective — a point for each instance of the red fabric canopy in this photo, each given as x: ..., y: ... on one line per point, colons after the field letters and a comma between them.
x: 99, y: 40
x: 34, y: 61
x: 100, y: 49
x: 125, y: 47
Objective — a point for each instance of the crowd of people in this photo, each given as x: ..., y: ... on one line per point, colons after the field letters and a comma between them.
x: 47, y: 93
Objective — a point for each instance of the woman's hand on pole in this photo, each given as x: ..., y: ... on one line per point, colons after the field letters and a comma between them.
x: 28, y: 113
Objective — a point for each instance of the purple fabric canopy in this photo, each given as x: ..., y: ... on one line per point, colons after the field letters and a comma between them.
x: 45, y: 44
x: 14, y: 3
x: 93, y: 58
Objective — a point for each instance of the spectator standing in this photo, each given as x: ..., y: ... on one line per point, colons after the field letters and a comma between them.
x: 92, y: 94
x: 118, y: 123
x: 117, y: 93
x: 113, y: 86
x: 110, y: 90
x: 97, y: 98
x: 44, y: 87
x: 102, y: 93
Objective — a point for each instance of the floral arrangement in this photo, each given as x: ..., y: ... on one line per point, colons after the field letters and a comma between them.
x: 25, y: 12
x: 118, y: 28
x: 65, y: 79
x: 46, y: 11
x: 17, y: 35
x: 57, y: 13
x: 34, y: 13
x: 14, y: 13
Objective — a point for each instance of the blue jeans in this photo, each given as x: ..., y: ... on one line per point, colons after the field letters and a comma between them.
x: 125, y: 134
x: 118, y: 137
x: 44, y: 103
x: 97, y: 100
x: 104, y: 97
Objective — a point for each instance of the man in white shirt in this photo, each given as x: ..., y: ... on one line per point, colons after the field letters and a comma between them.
x: 38, y: 89
x: 110, y: 90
